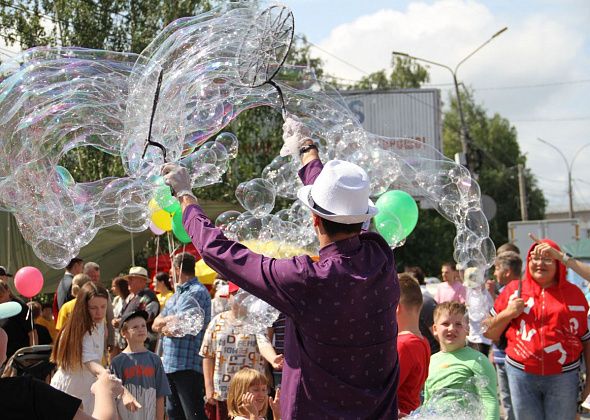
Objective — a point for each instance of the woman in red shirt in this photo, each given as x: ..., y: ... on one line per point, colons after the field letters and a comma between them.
x: 545, y: 318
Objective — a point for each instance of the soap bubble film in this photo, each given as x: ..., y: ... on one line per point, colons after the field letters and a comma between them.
x: 213, y: 66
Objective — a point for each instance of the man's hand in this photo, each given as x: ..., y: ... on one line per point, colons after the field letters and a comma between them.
x: 278, y: 362
x: 295, y: 134
x: 176, y: 177
x: 515, y: 307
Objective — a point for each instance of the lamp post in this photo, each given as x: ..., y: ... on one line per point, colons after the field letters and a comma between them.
x: 465, y: 147
x: 569, y: 166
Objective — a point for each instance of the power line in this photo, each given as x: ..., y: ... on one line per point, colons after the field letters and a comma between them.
x: 566, y: 119
x: 333, y: 55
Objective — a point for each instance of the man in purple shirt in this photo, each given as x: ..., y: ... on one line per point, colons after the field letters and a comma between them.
x: 341, y: 329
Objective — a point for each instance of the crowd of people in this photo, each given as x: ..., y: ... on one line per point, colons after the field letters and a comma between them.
x: 355, y: 339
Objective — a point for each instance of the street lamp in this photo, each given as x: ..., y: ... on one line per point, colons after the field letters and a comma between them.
x: 569, y: 166
x: 464, y: 134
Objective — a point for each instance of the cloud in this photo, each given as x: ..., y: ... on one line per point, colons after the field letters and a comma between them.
x: 541, y: 45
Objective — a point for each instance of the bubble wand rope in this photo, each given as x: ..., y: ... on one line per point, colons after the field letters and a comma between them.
x: 149, y: 141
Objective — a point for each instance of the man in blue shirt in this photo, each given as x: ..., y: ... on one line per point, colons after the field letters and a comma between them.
x: 182, y: 363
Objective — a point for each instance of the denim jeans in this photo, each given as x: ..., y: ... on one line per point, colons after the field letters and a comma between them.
x: 537, y: 397
x: 186, y: 401
x: 504, y: 389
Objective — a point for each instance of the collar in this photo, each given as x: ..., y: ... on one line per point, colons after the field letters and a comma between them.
x: 185, y: 286
x: 344, y: 246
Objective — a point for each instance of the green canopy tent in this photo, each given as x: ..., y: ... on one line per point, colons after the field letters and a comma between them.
x: 111, y: 248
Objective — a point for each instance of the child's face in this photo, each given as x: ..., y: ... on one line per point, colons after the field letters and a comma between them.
x: 46, y: 313
x: 451, y: 331
x: 97, y: 307
x: 260, y: 392
x: 135, y: 330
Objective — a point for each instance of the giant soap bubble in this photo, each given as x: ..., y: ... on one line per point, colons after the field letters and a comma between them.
x: 204, y: 71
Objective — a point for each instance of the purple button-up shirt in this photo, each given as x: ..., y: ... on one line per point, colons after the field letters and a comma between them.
x: 341, y: 332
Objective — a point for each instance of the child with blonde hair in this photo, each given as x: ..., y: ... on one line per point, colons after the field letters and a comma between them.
x: 248, y: 399
x: 456, y: 365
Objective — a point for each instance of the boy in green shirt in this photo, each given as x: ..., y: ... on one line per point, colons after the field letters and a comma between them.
x: 455, y: 366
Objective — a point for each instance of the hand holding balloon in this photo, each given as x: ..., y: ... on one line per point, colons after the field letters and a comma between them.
x: 295, y: 134
x: 176, y: 177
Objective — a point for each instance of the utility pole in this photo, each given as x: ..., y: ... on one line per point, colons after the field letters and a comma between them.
x: 464, y: 133
x: 524, y: 214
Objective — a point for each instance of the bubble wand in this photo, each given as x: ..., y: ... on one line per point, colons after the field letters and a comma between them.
x: 265, y: 48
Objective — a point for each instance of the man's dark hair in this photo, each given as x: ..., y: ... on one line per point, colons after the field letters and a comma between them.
x: 185, y: 261
x: 417, y: 272
x: 47, y: 305
x: 334, y: 228
x: 508, y: 246
x: 73, y: 262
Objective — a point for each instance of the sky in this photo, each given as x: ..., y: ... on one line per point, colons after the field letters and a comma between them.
x: 536, y: 74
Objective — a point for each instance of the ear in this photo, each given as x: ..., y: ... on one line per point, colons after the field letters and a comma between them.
x: 316, y: 220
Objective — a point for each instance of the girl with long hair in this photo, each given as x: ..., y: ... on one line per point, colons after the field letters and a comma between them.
x: 80, y: 346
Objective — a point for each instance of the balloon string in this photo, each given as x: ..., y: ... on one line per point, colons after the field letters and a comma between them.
x: 157, y: 257
x: 30, y: 315
x: 170, y: 253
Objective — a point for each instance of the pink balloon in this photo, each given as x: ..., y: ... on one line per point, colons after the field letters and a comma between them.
x: 28, y: 281
x: 155, y: 229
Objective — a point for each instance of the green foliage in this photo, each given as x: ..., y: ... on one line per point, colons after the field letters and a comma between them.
x: 118, y: 25
x: 405, y: 74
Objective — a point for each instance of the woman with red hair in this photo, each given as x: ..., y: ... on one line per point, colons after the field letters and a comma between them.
x: 544, y: 317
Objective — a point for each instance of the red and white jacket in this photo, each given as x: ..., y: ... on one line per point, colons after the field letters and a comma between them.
x: 547, y: 337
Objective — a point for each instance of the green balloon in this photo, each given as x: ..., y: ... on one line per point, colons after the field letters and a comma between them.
x: 164, y: 198
x: 178, y: 229
x: 402, y: 206
x: 390, y: 228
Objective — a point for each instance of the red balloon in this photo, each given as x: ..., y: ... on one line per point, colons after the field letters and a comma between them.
x: 28, y: 281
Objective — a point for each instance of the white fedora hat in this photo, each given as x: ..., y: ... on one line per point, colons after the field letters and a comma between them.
x: 340, y: 194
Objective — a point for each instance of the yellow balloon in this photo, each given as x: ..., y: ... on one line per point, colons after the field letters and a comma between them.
x: 162, y: 219
x: 153, y: 206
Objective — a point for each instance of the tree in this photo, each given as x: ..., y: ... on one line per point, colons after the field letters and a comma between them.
x: 117, y: 25
x: 405, y: 74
